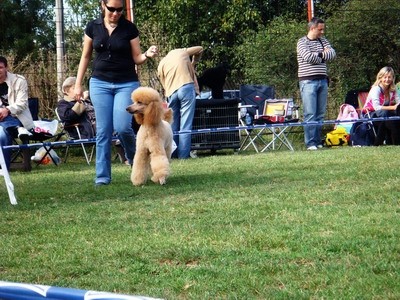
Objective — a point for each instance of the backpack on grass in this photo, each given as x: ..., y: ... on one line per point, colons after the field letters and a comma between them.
x: 362, y: 134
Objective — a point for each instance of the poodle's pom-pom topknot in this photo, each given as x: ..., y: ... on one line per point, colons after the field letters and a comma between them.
x: 146, y: 95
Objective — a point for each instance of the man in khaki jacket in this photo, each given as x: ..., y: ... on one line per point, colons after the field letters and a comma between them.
x: 177, y: 75
x: 14, y: 109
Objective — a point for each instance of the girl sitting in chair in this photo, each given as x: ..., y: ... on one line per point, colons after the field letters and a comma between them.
x: 383, y: 101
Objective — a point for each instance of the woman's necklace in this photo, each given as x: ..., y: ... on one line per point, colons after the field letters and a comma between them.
x: 112, y: 25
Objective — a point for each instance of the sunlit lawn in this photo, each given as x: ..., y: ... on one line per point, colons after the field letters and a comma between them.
x: 279, y: 225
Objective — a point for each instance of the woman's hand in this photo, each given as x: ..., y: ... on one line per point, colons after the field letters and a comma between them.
x: 78, y: 93
x: 152, y: 51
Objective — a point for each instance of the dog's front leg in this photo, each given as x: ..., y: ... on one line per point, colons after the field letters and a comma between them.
x: 140, y: 168
x: 160, y: 168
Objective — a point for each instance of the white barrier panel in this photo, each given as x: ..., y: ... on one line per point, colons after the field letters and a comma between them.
x: 7, y: 179
x: 24, y: 291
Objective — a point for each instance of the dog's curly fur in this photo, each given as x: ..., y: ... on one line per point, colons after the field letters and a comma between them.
x: 154, y: 138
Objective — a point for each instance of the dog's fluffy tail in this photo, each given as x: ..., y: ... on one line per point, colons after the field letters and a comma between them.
x: 168, y: 114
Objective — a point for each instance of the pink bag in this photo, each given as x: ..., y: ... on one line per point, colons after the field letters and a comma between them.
x: 348, y: 113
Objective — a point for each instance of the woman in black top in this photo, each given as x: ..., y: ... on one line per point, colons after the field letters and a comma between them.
x: 115, y: 41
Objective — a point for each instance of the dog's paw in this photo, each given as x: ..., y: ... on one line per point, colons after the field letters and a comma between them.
x: 163, y: 180
x: 138, y: 182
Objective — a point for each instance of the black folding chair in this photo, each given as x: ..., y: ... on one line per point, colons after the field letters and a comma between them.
x: 252, y: 104
x: 71, y: 131
x: 24, y: 153
x: 38, y: 136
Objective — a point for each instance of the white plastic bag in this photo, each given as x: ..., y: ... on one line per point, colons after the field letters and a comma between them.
x: 41, y: 152
x: 48, y: 126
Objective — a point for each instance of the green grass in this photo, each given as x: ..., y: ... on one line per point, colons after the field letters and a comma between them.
x: 297, y: 225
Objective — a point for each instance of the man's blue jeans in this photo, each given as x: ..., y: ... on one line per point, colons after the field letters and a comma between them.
x: 183, y: 104
x: 110, y: 101
x: 314, y: 94
x: 5, y: 138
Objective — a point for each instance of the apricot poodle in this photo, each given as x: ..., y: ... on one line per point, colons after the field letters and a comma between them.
x: 154, y: 139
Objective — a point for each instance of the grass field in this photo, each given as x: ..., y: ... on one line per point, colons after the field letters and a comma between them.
x: 277, y: 225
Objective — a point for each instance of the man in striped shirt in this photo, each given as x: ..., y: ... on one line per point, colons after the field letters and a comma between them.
x: 313, y: 51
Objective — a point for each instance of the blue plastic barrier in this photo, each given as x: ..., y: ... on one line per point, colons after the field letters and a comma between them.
x: 24, y: 291
x: 221, y: 129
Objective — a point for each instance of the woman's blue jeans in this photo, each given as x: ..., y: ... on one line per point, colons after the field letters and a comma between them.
x: 314, y: 94
x: 183, y: 104
x: 110, y: 101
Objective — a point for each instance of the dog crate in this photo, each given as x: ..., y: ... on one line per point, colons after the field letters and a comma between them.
x: 216, y: 113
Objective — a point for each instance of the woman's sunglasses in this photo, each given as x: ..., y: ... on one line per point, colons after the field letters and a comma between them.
x: 113, y: 9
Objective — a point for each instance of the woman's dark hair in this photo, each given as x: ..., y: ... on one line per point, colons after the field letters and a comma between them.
x: 105, y: 3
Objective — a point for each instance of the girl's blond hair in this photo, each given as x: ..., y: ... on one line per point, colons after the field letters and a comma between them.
x: 382, y: 72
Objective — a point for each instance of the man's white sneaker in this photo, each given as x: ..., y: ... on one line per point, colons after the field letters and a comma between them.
x: 312, y: 148
x: 193, y: 154
x: 23, y: 132
x: 320, y: 146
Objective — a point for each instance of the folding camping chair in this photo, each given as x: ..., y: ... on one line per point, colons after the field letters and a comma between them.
x: 24, y: 153
x: 259, y: 106
x: 282, y: 112
x: 40, y: 134
x: 75, y: 127
x: 252, y: 102
x: 357, y: 98
x: 46, y: 132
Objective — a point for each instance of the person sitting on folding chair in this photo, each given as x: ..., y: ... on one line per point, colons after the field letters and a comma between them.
x: 80, y: 113
x: 383, y: 101
x: 73, y: 112
x: 14, y: 108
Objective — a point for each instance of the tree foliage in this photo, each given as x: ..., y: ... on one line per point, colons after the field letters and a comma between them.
x: 256, y: 37
x: 26, y: 26
x: 269, y: 55
x: 218, y: 26
x: 363, y: 32
x: 367, y: 37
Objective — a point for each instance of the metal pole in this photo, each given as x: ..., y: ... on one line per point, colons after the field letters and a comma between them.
x: 129, y: 10
x: 310, y: 9
x: 60, y: 43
